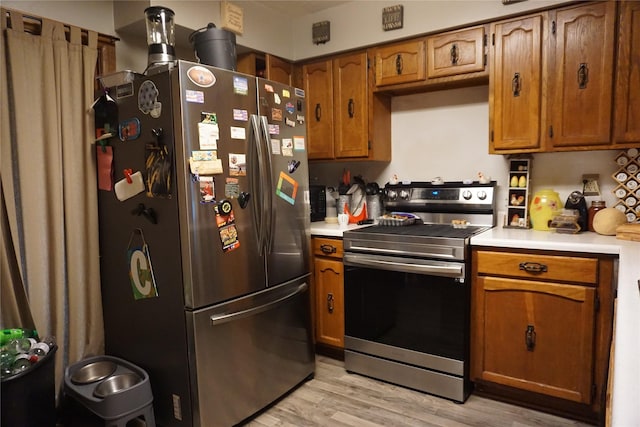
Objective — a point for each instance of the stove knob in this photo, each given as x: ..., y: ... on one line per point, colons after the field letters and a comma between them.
x: 482, y: 194
x: 404, y: 194
x: 466, y: 194
x: 392, y: 194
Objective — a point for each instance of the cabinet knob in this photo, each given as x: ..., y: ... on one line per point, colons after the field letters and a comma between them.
x: 328, y: 249
x: 530, y: 337
x: 330, y: 302
x: 399, y: 65
x: 533, y: 267
x: 455, y: 56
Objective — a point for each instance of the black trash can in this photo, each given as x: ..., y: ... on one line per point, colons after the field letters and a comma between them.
x: 29, y: 398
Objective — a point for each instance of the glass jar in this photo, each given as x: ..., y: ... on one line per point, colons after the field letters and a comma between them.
x: 544, y: 207
x: 596, y: 206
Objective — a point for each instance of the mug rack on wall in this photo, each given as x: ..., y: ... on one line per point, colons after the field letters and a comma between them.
x: 519, y: 189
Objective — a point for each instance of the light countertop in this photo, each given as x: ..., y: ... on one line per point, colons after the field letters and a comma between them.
x: 626, y: 372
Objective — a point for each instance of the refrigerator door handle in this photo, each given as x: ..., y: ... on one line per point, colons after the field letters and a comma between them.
x: 255, y: 180
x: 268, y: 186
x: 224, y: 318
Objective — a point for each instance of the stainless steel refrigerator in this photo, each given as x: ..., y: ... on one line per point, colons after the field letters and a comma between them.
x: 204, y: 240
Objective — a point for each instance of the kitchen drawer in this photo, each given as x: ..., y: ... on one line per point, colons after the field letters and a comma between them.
x: 331, y: 248
x: 535, y: 266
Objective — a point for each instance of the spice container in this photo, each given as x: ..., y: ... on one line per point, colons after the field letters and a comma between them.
x: 596, y: 205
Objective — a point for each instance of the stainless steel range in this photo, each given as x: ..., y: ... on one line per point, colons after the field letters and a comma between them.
x: 407, y: 287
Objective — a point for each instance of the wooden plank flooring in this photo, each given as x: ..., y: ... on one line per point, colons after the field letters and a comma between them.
x: 336, y: 398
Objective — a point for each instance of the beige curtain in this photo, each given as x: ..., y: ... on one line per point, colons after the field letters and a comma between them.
x: 49, y: 182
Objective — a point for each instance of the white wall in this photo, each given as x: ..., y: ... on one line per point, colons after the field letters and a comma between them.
x: 445, y: 134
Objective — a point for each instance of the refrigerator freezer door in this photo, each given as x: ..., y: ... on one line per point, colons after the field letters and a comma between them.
x: 251, y: 351
x: 281, y: 108
x: 216, y: 106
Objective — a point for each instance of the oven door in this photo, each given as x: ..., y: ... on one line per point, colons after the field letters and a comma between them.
x: 394, y: 303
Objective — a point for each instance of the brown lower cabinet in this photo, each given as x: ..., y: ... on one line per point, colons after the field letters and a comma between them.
x: 541, y: 327
x: 329, y: 295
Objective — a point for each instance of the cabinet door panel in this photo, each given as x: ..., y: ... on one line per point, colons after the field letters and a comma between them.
x: 455, y: 53
x: 318, y: 89
x: 515, y: 100
x: 351, y: 106
x: 400, y: 63
x: 329, y: 276
x: 581, y: 98
x: 279, y: 70
x: 538, y: 336
x: 627, y: 102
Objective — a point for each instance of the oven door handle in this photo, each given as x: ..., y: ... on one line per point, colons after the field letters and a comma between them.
x: 450, y: 270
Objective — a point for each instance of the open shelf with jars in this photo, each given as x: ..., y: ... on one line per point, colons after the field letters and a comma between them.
x: 518, y: 199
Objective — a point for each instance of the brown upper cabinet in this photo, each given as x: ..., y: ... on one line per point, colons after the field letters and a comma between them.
x: 345, y: 119
x: 267, y: 66
x: 456, y: 53
x: 626, y: 124
x: 400, y: 62
x: 551, y: 85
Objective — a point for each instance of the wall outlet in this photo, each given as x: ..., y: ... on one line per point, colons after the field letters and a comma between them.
x: 590, y: 185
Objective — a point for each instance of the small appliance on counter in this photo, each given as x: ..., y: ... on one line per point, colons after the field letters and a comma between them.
x: 318, y: 202
x: 577, y: 202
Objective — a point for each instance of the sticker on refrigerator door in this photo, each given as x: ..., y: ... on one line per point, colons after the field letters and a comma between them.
x: 240, y: 115
x: 225, y: 220
x: 289, y: 122
x: 148, y: 99
x: 290, y: 108
x: 276, y: 114
x: 268, y: 87
x: 300, y: 119
x: 274, y: 129
x: 238, y: 132
x: 275, y: 146
x: 287, y: 188
x: 298, y: 92
x: 237, y: 164
x: 298, y: 143
x: 276, y: 99
x: 240, y: 85
x: 292, y: 165
x: 208, y: 131
x: 129, y: 129
x: 287, y: 147
x: 201, y: 76
x: 286, y: 93
x: 194, y: 96
x: 143, y: 282
x: 207, y: 189
x: 231, y: 188
x: 205, y: 163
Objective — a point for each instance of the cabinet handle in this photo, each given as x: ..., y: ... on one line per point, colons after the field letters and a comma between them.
x: 516, y: 84
x: 454, y: 55
x: 533, y: 267
x: 583, y: 75
x: 318, y: 112
x: 399, y: 64
x: 328, y: 249
x: 330, y: 302
x: 530, y: 337
x: 351, y: 108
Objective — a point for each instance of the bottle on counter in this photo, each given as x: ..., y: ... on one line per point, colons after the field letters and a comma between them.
x: 596, y: 206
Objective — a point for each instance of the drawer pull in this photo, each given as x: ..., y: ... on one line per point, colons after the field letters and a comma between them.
x: 328, y: 249
x: 330, y: 302
x: 533, y: 267
x: 530, y: 337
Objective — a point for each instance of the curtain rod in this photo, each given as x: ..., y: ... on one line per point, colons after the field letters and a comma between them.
x: 33, y: 25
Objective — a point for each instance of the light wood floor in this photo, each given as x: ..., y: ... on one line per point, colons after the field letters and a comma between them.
x: 336, y: 398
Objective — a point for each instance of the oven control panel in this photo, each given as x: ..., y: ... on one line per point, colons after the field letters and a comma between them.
x: 422, y: 195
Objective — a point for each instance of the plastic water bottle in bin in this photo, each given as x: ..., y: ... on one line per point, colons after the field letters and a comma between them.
x: 22, y: 349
